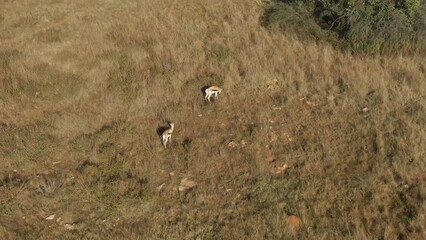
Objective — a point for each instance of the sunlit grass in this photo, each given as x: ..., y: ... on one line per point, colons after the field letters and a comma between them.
x: 83, y: 94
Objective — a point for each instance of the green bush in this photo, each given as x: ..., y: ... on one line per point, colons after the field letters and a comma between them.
x: 291, y: 16
x: 367, y: 26
x: 420, y: 28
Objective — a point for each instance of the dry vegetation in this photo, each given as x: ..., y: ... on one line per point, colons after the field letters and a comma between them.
x: 84, y: 85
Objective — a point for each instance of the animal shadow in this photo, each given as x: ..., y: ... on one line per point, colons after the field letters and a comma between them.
x: 187, y: 143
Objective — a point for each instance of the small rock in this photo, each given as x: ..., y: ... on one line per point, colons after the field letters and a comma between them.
x: 311, y: 103
x: 276, y: 108
x: 365, y: 109
x: 279, y: 170
x: 283, y: 167
x: 159, y: 188
x: 272, y: 83
x: 186, y: 184
x: 232, y: 144
x: 69, y: 226
x: 51, y: 217
x: 295, y: 222
x: 289, y: 137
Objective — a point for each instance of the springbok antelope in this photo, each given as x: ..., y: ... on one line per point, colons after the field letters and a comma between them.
x: 166, y: 136
x: 212, y: 90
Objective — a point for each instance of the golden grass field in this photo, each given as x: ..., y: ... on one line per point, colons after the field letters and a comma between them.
x: 84, y: 86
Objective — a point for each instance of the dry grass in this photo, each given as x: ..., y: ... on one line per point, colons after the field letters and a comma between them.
x: 84, y: 85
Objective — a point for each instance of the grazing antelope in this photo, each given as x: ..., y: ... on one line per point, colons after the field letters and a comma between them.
x: 212, y: 90
x: 166, y: 136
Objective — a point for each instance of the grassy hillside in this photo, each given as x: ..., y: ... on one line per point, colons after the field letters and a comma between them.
x: 84, y: 86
